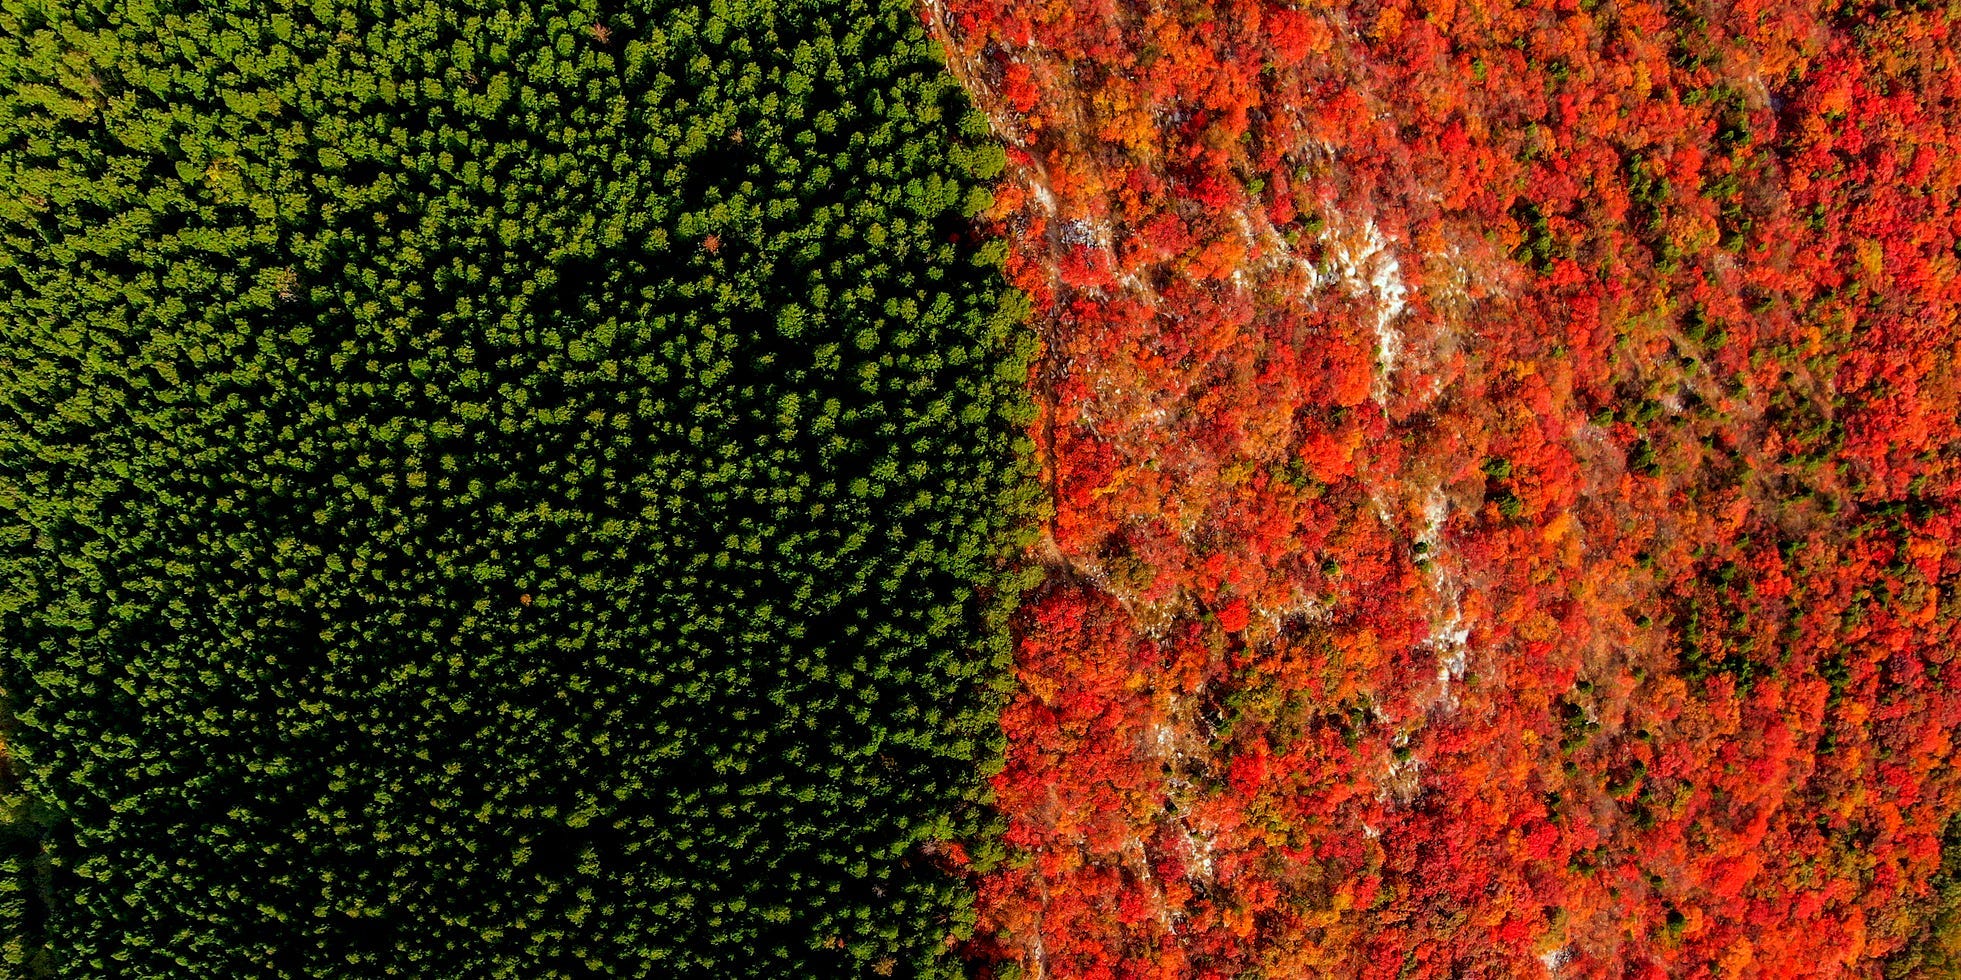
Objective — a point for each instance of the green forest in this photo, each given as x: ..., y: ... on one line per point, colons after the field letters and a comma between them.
x: 498, y: 490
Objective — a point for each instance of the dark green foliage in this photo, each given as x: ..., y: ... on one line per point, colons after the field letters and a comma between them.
x: 513, y: 492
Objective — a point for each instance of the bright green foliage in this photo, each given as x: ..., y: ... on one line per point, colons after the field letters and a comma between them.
x: 513, y: 492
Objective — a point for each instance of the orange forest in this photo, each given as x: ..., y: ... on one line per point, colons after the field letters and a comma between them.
x: 1502, y: 473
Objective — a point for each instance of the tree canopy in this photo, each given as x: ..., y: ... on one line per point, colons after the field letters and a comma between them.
x: 496, y: 490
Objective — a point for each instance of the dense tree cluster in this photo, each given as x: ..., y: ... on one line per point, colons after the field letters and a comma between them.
x: 496, y: 490
x: 1504, y: 466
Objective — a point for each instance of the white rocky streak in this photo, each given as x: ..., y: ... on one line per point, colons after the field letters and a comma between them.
x: 1552, y: 960
x: 1081, y: 231
x: 1364, y: 265
x: 1449, y: 637
x: 1361, y: 261
x: 1043, y: 196
x: 1200, y: 846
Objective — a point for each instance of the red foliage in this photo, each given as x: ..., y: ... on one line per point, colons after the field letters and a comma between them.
x: 1503, y: 474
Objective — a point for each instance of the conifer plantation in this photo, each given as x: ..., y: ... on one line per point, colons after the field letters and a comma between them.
x: 496, y: 490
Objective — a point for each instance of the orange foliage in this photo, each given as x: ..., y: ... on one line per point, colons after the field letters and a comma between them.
x: 1503, y: 474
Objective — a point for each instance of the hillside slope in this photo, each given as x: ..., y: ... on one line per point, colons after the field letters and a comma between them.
x: 1503, y: 463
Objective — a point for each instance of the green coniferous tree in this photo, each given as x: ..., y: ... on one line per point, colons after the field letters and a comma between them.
x: 493, y: 491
